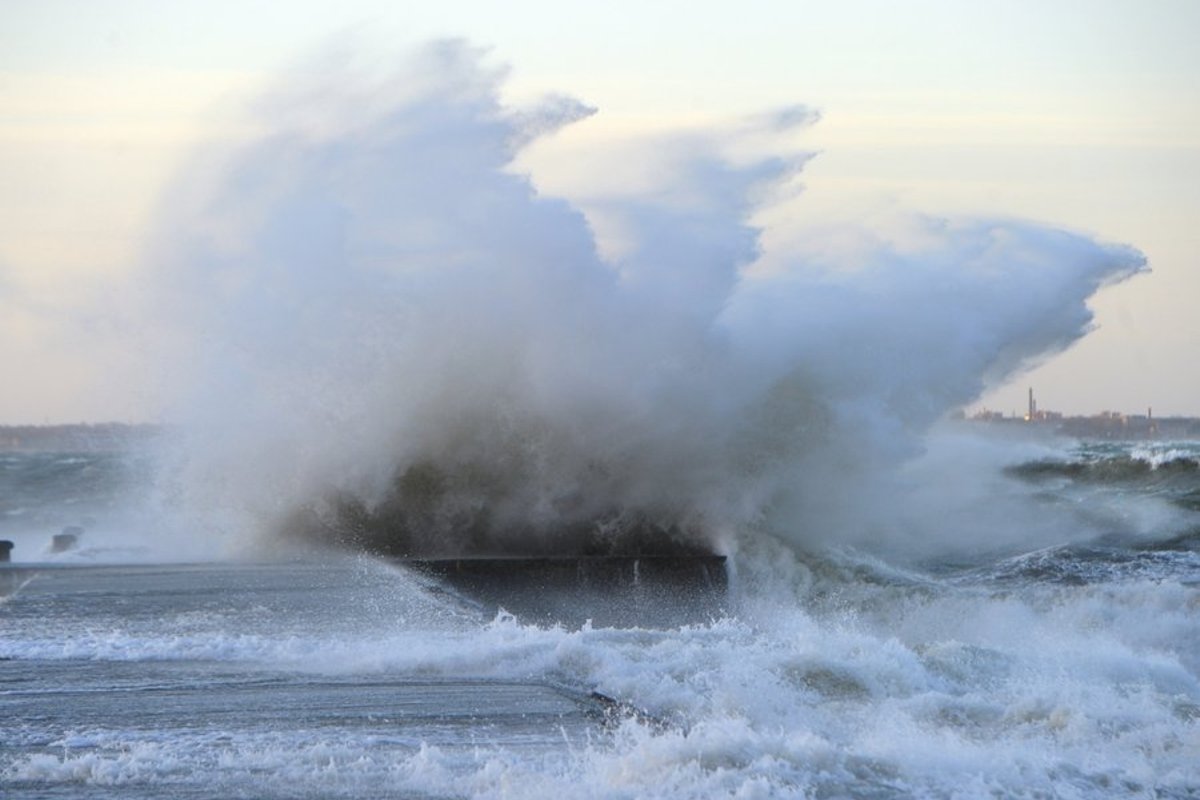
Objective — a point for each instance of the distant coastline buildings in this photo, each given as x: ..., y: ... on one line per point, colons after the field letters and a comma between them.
x: 1105, y: 425
x: 115, y: 436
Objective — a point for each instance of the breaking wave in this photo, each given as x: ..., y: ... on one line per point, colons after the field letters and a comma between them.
x: 383, y: 334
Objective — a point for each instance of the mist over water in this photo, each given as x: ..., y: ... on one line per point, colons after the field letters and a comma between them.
x: 383, y: 334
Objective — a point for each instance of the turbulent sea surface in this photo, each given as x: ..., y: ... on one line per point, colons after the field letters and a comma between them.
x: 375, y: 327
x: 1069, y: 669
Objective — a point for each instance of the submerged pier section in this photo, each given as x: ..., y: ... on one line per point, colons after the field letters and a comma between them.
x: 654, y: 591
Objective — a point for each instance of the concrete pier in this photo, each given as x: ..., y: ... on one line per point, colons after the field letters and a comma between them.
x: 640, y: 591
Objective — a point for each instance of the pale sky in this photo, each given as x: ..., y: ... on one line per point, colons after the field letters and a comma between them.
x: 1084, y: 114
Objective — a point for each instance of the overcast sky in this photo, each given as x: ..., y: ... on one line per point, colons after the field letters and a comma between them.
x: 1081, y: 114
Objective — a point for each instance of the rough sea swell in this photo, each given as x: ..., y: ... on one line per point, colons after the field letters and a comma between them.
x: 1065, y: 671
x: 383, y: 336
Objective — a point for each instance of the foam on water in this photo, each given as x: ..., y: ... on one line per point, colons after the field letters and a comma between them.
x: 1156, y: 454
x: 867, y: 687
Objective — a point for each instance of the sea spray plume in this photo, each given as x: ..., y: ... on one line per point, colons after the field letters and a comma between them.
x: 399, y: 344
x: 683, y: 221
x: 918, y: 326
x: 387, y: 315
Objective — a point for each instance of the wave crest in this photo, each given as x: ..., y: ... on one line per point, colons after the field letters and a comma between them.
x: 386, y: 335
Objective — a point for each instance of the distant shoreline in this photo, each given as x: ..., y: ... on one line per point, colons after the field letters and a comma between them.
x: 1105, y: 425
x: 110, y: 436
x: 79, y: 438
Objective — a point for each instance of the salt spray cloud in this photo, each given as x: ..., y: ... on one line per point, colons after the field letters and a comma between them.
x: 368, y: 303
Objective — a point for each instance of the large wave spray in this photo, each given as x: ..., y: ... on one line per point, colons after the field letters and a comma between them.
x: 391, y: 338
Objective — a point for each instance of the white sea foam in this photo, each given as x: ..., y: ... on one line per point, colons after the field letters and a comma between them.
x: 966, y: 693
x: 1158, y: 453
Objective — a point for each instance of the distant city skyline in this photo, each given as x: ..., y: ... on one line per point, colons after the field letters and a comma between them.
x: 1034, y: 407
x: 1082, y: 115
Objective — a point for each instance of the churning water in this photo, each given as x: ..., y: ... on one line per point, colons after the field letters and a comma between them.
x: 1066, y: 670
x: 381, y: 336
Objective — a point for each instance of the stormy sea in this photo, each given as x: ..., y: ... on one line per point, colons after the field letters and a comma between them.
x: 383, y: 344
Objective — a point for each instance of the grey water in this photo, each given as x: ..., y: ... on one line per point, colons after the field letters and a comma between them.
x: 1071, y: 669
x: 238, y: 680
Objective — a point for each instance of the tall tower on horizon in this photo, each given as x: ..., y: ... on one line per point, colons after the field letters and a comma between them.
x: 1032, y: 415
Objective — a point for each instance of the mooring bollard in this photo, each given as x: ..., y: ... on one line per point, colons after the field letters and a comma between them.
x: 62, y: 542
